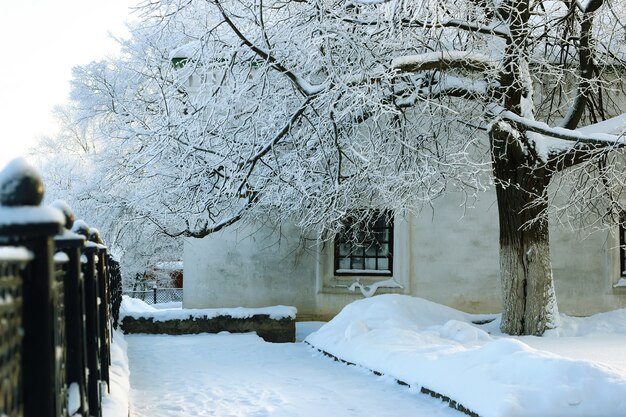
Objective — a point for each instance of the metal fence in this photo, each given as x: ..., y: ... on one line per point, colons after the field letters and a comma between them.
x: 157, y: 295
x: 55, y: 314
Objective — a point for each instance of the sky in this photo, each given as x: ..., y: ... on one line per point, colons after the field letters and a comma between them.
x: 41, y: 41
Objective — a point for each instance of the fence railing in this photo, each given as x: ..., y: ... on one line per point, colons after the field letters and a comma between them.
x: 56, y: 292
x: 157, y: 295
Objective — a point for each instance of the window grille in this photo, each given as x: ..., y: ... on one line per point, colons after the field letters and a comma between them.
x: 365, y: 245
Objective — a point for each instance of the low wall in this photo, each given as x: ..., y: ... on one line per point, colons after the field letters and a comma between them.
x: 281, y: 330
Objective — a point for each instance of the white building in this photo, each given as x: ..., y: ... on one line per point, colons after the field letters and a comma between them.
x: 449, y: 256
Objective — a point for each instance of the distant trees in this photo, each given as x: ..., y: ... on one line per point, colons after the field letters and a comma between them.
x: 225, y: 111
x: 73, y: 170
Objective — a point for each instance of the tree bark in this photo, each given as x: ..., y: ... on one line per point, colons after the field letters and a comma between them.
x: 529, y: 302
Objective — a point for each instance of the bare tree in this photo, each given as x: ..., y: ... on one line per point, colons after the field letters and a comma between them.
x: 226, y: 110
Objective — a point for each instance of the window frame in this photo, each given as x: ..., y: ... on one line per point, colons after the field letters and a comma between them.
x: 387, y: 215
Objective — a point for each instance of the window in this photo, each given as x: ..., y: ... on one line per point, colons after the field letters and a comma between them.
x: 365, y: 245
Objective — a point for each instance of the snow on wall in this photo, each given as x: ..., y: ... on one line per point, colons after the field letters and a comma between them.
x: 132, y: 307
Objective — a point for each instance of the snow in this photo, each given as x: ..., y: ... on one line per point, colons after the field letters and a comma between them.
x: 620, y: 283
x: 549, y: 140
x: 132, y: 307
x: 116, y: 403
x: 14, y: 170
x: 613, y: 126
x: 29, y: 215
x: 10, y: 177
x: 589, y: 135
x: 64, y: 208
x: 370, y: 290
x: 12, y: 253
x: 240, y: 375
x: 69, y: 235
x: 169, y: 265
x: 61, y: 257
x: 439, y: 348
x: 168, y: 306
x: 187, y: 50
x: 578, y: 369
x: 73, y: 398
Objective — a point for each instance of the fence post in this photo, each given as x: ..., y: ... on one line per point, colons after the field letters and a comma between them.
x: 92, y: 320
x: 115, y: 289
x: 154, y: 289
x: 12, y: 262
x: 103, y: 306
x: 72, y: 244
x: 24, y: 223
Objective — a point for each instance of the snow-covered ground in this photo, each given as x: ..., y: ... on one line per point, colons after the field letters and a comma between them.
x: 430, y: 345
x: 577, y: 370
x: 241, y: 375
x: 116, y: 402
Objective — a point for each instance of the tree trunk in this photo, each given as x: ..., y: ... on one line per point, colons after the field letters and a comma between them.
x: 529, y: 302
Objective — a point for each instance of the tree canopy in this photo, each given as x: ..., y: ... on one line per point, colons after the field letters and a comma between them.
x: 222, y: 111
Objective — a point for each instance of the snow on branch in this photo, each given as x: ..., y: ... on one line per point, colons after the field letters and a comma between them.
x: 444, y: 60
x: 588, y: 136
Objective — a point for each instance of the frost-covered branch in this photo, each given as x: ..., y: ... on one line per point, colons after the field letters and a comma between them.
x: 300, y: 83
x: 445, y: 60
x: 599, y: 139
x: 586, y: 64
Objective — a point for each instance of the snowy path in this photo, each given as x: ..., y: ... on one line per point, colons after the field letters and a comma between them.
x: 240, y: 375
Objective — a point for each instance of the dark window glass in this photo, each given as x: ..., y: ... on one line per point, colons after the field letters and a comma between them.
x: 365, y: 247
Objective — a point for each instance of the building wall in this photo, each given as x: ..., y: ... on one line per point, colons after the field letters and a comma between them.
x: 448, y: 255
x: 249, y: 267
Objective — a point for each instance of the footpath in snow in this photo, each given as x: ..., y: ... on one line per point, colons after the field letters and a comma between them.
x: 241, y: 375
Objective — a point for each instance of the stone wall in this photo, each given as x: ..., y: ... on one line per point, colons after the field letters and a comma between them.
x: 271, y: 330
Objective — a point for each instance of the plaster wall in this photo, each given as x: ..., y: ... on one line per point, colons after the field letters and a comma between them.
x: 448, y: 254
x: 249, y: 267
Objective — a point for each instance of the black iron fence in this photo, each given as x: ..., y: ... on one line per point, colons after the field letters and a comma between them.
x: 56, y: 292
x: 157, y: 295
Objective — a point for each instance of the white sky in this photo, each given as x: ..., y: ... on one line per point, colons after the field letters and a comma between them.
x: 40, y: 42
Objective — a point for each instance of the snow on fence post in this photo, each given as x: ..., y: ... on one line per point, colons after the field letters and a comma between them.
x: 23, y: 222
x: 71, y: 244
x: 88, y: 261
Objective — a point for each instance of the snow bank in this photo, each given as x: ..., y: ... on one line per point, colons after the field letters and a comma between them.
x: 132, y: 307
x: 438, y: 348
x: 603, y: 323
x: 115, y: 403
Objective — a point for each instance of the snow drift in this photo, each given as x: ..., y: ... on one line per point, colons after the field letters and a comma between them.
x: 436, y: 347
